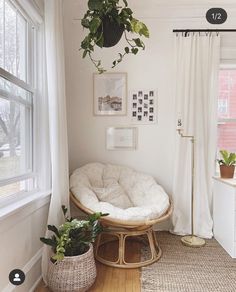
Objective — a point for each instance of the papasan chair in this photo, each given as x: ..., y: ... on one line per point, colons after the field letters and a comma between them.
x: 134, y: 201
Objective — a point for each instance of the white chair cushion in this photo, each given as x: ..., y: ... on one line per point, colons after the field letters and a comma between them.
x: 120, y: 191
x: 113, y: 194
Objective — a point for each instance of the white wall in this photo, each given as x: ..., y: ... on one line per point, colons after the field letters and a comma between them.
x: 20, y: 246
x: 152, y: 68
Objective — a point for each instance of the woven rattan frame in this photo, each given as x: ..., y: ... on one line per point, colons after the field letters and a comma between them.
x: 122, y: 230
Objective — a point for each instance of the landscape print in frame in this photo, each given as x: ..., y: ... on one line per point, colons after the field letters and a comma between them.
x: 110, y: 94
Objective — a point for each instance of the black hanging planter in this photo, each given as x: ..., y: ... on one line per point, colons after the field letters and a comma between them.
x: 112, y: 32
x: 106, y: 21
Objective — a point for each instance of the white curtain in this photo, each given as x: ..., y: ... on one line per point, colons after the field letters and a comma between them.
x: 197, y: 64
x: 55, y: 72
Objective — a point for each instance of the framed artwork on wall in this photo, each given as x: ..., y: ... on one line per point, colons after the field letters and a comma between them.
x: 121, y: 138
x: 110, y: 94
x: 143, y: 106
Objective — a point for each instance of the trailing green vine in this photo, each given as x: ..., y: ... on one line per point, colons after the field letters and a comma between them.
x: 117, y: 13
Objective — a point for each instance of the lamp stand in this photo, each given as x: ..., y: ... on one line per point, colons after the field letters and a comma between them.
x: 191, y: 240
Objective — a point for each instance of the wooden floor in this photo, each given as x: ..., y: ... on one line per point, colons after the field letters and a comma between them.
x: 113, y: 279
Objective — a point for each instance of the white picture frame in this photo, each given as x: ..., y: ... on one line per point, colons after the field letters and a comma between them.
x: 121, y: 138
x: 110, y: 94
x: 143, y: 106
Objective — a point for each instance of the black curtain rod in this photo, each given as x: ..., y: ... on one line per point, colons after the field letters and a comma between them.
x: 204, y: 30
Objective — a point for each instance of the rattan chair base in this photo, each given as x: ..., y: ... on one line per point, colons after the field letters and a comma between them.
x: 122, y: 235
x: 123, y: 230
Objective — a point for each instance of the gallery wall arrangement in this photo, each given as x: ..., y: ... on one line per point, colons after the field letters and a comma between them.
x: 110, y: 98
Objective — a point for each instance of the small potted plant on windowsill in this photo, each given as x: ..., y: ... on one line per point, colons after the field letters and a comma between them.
x: 227, y: 164
x: 72, y: 266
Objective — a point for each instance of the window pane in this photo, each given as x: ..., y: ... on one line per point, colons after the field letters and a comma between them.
x: 1, y: 33
x: 15, y: 138
x: 21, y: 42
x: 10, y: 38
x: 20, y: 186
x: 227, y: 94
x: 14, y: 90
x: 227, y: 136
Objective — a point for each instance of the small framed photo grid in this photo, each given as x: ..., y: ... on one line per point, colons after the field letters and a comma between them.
x: 143, y: 107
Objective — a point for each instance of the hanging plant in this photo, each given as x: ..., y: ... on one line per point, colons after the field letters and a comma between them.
x: 107, y: 21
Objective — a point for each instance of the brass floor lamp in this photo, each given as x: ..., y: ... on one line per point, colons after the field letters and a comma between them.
x: 190, y: 240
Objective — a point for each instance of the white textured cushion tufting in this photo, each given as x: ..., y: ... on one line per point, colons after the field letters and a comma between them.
x: 113, y: 194
x: 120, y: 191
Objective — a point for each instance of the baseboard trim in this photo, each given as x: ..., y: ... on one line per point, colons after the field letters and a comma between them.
x: 33, y: 261
x: 36, y: 284
x: 26, y: 269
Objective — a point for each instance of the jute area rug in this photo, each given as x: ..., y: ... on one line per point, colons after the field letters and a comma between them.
x: 183, y: 269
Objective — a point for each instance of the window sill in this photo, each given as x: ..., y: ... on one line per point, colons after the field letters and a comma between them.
x: 228, y: 181
x: 14, y: 207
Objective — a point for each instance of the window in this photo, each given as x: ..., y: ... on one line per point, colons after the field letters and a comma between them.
x: 227, y: 109
x: 223, y: 106
x: 17, y: 37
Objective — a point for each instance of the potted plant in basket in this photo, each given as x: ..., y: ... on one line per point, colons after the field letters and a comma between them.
x: 72, y: 266
x: 106, y: 21
x: 227, y: 164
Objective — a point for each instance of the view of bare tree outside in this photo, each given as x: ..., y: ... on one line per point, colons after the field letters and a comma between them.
x: 15, y: 102
x: 9, y: 139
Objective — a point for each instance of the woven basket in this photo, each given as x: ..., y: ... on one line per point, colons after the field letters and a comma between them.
x: 73, y: 274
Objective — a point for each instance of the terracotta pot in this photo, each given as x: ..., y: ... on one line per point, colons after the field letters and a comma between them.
x: 112, y: 32
x: 73, y: 274
x: 227, y: 171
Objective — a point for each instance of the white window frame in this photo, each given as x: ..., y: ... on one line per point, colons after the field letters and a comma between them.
x: 28, y: 86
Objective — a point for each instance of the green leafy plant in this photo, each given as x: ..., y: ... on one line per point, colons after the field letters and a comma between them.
x: 74, y: 236
x: 228, y: 159
x: 115, y: 12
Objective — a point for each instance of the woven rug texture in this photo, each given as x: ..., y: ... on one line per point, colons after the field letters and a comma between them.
x: 185, y: 269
